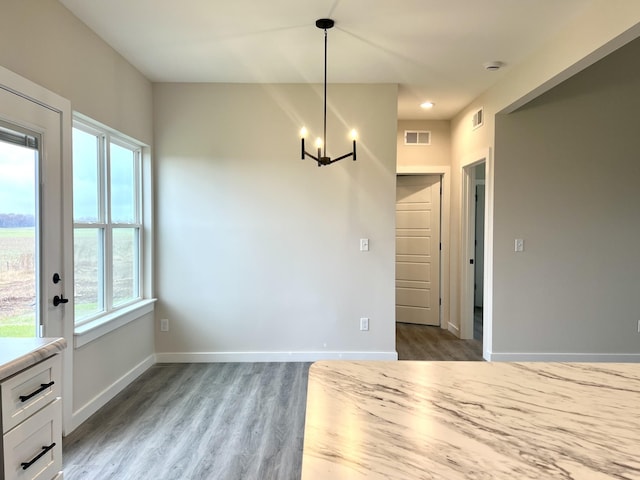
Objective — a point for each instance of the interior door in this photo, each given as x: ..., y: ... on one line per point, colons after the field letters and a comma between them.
x: 418, y: 249
x: 30, y: 218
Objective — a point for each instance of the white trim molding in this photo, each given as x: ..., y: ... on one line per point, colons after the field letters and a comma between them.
x: 100, y: 400
x: 221, y: 357
x: 101, y: 326
x: 564, y: 357
x: 466, y: 250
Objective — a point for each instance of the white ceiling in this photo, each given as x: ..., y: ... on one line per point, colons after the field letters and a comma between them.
x: 434, y: 49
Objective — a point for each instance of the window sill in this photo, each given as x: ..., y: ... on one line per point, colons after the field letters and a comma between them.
x: 101, y: 326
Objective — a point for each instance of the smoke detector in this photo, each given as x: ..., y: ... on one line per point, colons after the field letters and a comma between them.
x: 493, y: 66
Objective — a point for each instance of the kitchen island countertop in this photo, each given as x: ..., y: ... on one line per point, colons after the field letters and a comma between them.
x: 16, y: 354
x: 480, y: 420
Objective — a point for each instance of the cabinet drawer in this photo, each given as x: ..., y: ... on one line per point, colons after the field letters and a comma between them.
x: 30, y: 390
x: 35, y: 444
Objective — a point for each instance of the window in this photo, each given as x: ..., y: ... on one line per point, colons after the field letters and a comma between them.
x: 107, y: 216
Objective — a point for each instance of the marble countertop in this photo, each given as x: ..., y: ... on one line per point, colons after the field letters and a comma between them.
x: 16, y: 354
x: 472, y: 420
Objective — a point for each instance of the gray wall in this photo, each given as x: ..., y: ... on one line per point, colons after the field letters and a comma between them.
x: 567, y: 177
x: 438, y: 153
x: 43, y: 42
x: 258, y: 251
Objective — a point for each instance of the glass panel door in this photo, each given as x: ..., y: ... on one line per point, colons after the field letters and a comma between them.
x: 19, y: 252
x: 37, y: 175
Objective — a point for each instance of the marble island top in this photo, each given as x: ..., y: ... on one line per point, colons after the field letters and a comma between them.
x: 472, y: 420
x: 16, y: 354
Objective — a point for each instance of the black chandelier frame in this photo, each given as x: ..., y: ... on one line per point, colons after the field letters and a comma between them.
x: 322, y: 158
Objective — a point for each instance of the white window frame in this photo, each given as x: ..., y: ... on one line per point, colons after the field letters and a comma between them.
x: 110, y: 318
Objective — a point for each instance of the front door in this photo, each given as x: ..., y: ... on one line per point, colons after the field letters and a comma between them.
x: 30, y: 219
x: 418, y: 249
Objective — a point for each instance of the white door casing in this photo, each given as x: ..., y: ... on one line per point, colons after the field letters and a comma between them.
x: 33, y: 108
x: 466, y: 252
x: 418, y: 249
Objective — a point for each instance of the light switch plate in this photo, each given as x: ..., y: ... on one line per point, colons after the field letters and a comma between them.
x: 519, y: 245
x: 364, y: 244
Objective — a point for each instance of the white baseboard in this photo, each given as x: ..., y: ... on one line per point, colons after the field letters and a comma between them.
x: 454, y: 329
x: 100, y: 400
x: 230, y: 357
x: 564, y: 357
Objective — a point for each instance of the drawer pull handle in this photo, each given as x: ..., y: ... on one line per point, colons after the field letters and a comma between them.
x: 43, y: 387
x: 26, y: 465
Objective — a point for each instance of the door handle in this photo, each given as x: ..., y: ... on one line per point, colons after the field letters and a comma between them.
x: 57, y: 300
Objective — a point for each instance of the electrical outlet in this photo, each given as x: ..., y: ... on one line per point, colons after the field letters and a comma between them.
x: 364, y: 324
x: 164, y: 325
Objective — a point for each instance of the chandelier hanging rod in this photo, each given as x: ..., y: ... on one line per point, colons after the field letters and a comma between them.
x: 325, y: 23
x: 321, y: 144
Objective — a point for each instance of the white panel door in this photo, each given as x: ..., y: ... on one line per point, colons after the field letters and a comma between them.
x: 418, y: 249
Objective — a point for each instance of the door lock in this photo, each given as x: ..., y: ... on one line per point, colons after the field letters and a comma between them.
x: 57, y: 300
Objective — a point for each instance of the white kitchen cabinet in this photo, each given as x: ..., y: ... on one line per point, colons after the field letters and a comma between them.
x: 32, y: 422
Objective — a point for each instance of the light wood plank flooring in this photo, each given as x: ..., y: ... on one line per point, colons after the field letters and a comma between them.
x: 233, y: 421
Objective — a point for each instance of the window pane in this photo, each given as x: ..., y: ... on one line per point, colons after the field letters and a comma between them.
x: 123, y: 188
x: 17, y: 241
x: 87, y: 249
x: 86, y: 180
x: 125, y: 262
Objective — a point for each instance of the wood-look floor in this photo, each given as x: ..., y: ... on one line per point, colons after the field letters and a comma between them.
x: 233, y: 421
x: 421, y: 342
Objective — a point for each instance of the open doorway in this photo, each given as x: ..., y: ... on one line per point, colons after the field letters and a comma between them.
x: 478, y: 276
x: 419, y: 340
x: 477, y: 252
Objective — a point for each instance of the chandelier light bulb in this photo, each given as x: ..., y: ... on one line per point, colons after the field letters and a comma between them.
x: 303, y: 132
x: 318, y: 142
x: 354, y: 134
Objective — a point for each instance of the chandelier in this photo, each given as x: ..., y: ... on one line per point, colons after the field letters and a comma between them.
x: 321, y: 143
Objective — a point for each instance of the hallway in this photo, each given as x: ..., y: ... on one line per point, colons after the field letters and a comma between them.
x: 421, y: 342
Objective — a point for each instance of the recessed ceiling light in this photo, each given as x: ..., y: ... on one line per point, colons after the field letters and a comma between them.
x: 427, y: 105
